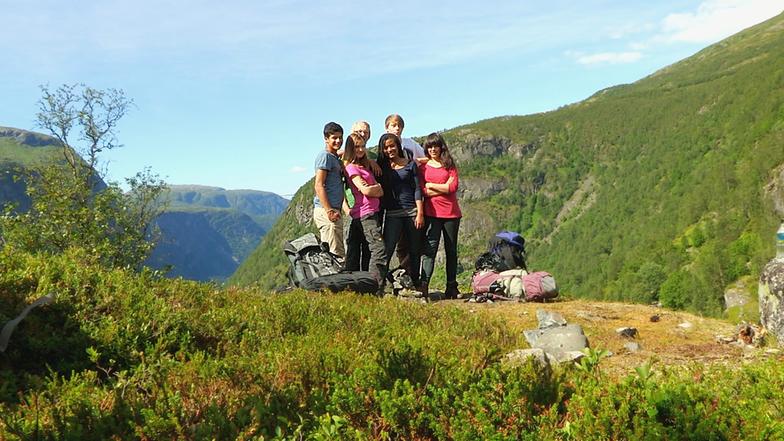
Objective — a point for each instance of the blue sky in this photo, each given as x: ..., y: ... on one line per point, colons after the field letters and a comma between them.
x: 235, y: 93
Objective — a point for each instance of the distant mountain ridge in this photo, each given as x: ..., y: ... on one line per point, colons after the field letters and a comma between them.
x: 206, y: 232
x: 21, y: 149
x: 28, y: 138
x: 263, y: 206
x: 651, y: 191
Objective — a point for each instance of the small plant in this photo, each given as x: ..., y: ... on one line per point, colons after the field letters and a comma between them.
x: 590, y: 363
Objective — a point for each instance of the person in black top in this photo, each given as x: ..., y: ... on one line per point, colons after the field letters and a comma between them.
x: 404, y: 217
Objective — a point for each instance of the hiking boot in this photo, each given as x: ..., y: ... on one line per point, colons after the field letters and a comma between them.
x: 424, y: 288
x: 451, y: 291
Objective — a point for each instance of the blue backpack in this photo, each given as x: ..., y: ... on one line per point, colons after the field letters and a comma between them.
x: 509, y: 247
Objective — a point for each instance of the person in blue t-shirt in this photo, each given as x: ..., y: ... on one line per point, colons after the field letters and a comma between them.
x: 328, y: 202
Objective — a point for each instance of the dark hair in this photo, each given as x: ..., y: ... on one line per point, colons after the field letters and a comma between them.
x: 382, y: 159
x: 392, y: 117
x: 436, y: 140
x: 332, y: 128
x: 348, y: 154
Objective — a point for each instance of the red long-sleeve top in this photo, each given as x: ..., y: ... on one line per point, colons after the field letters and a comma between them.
x: 443, y: 205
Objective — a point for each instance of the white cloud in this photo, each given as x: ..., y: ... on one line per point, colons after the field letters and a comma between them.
x: 629, y: 29
x: 298, y: 169
x: 608, y: 58
x: 717, y: 19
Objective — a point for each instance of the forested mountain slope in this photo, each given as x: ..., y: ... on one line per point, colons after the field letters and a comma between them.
x: 656, y: 190
x: 206, y: 231
x: 263, y: 207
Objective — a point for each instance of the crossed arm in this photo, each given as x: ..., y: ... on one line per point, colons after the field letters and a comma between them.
x: 373, y: 191
x: 433, y: 189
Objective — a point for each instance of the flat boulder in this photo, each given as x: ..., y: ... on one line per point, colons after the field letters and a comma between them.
x: 565, y: 338
x: 549, y: 319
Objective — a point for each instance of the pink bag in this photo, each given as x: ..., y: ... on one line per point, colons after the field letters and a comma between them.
x: 539, y: 286
x: 481, y: 281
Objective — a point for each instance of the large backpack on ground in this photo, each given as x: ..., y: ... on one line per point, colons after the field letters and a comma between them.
x: 358, y: 281
x: 309, y: 259
x: 508, y: 283
x: 510, y: 248
x: 539, y: 286
x: 485, y: 282
x: 314, y: 268
x: 515, y: 284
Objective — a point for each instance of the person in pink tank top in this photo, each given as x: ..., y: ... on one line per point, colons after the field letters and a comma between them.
x: 439, y: 182
x: 365, y: 214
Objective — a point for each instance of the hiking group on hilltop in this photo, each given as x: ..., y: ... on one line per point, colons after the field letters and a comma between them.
x: 404, y: 199
x: 403, y: 202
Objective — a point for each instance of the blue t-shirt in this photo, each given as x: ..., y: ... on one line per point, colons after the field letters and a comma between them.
x: 334, y: 182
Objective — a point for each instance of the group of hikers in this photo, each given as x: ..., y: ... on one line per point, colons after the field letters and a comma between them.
x: 409, y: 193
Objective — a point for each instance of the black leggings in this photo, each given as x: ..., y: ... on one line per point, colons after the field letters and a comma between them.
x: 435, y: 226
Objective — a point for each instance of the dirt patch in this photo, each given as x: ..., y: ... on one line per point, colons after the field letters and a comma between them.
x: 667, y: 339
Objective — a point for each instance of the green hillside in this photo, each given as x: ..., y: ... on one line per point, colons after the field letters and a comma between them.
x: 266, y: 265
x: 652, y: 191
x: 262, y: 206
x: 20, y: 149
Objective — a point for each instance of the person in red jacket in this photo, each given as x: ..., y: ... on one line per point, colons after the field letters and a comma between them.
x: 439, y: 182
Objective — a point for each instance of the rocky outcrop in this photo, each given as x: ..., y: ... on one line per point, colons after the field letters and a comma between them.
x: 28, y: 138
x: 471, y: 145
x: 774, y: 190
x: 303, y: 211
x: 771, y: 298
x: 478, y: 188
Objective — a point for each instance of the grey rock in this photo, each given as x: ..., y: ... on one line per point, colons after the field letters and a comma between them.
x: 549, y: 319
x: 479, y: 188
x: 736, y: 294
x: 774, y: 190
x: 686, y: 325
x: 303, y: 211
x: 471, y: 144
x: 558, y: 339
x: 566, y: 356
x: 519, y: 357
x: 627, y: 332
x: 771, y: 298
x: 632, y: 346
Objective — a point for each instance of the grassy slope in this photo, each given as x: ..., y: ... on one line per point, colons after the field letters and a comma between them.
x: 676, y: 164
x: 126, y: 356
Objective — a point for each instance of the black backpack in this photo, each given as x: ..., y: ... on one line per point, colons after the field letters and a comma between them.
x: 309, y: 259
x: 506, y: 250
x: 361, y: 282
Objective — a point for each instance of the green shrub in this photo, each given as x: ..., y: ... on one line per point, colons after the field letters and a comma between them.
x: 152, y: 358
